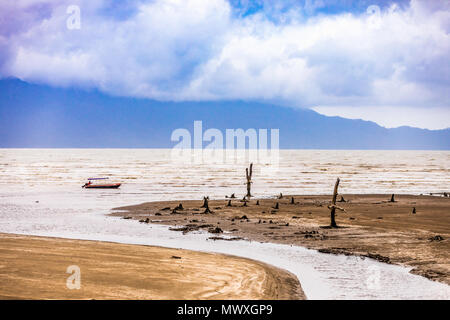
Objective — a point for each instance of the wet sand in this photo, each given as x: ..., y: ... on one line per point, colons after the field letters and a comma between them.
x: 35, y: 268
x: 372, y: 226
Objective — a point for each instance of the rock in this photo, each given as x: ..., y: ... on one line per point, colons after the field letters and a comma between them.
x: 157, y: 214
x: 166, y: 208
x: 176, y: 257
x: 126, y: 217
x: 436, y: 238
x: 215, y: 230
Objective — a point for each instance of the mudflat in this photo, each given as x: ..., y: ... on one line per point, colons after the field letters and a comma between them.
x: 36, y: 268
x: 413, y: 230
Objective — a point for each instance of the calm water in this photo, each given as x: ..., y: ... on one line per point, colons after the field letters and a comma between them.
x: 41, y: 194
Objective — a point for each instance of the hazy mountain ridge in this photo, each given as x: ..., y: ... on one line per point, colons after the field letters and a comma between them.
x: 40, y: 116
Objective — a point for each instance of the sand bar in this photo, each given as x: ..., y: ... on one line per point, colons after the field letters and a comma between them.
x: 35, y: 268
x: 372, y: 226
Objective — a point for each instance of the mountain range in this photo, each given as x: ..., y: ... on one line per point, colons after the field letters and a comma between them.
x: 40, y: 116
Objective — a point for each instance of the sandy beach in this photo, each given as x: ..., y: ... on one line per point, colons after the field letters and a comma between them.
x: 35, y: 268
x: 372, y: 226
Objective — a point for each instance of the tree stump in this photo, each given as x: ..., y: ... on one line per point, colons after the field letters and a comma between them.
x: 205, y: 202
x: 333, y: 206
x: 248, y: 176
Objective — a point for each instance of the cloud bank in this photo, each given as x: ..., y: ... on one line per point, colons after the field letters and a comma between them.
x: 301, y: 53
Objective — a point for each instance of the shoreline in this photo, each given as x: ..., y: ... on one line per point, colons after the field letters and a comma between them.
x: 34, y: 267
x: 372, y: 227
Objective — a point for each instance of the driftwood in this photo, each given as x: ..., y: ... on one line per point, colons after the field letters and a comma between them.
x: 248, y: 176
x: 333, y: 205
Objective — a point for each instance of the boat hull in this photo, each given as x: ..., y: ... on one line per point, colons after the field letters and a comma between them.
x: 102, y: 186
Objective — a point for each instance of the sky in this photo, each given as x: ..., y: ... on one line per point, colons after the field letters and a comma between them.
x: 384, y: 61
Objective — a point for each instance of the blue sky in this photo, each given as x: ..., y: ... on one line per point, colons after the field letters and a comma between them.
x: 385, y: 61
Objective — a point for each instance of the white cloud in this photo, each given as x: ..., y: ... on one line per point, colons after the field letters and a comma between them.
x: 199, y: 50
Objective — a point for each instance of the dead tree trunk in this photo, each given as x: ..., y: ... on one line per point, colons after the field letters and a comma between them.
x: 248, y: 176
x: 206, y: 205
x: 205, y: 202
x: 333, y: 206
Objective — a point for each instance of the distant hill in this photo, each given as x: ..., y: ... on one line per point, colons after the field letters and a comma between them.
x: 41, y: 116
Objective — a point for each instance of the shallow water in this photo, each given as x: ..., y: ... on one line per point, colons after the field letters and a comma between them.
x: 40, y: 194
